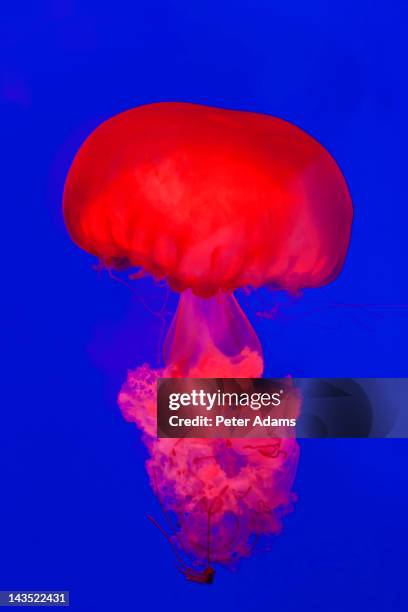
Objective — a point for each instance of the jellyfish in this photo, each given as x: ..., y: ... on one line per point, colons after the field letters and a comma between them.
x: 210, y: 200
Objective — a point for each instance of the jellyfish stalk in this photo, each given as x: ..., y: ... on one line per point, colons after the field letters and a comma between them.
x: 209, y: 330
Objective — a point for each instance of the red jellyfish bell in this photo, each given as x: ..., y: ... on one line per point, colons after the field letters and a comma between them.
x: 210, y: 200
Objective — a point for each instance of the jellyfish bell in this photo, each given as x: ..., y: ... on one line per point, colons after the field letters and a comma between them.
x: 210, y: 200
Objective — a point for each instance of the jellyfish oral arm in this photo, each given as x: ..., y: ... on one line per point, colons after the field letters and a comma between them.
x: 207, y: 334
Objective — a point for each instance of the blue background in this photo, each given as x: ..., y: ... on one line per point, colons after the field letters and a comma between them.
x: 74, y: 493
